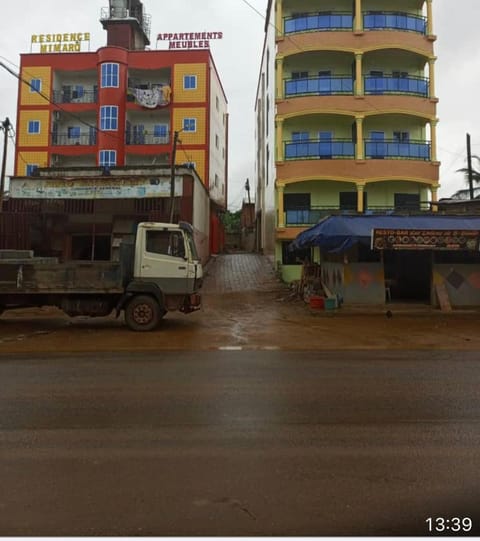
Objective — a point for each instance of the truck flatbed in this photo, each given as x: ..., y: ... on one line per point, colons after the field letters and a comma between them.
x: 32, y: 276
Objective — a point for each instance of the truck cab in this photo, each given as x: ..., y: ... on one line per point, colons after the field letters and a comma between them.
x: 167, y: 269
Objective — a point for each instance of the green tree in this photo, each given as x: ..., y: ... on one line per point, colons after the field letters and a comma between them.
x: 231, y: 221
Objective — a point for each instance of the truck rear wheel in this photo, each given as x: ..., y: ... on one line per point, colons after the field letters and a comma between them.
x: 143, y: 313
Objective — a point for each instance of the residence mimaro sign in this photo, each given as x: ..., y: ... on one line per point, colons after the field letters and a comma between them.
x: 69, y: 42
x: 425, y: 239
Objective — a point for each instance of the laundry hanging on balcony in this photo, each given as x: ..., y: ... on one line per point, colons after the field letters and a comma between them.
x: 151, y: 98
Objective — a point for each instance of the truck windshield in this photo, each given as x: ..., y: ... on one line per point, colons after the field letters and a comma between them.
x: 191, y: 243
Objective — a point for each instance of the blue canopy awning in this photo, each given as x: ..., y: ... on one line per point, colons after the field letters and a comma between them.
x: 339, y: 233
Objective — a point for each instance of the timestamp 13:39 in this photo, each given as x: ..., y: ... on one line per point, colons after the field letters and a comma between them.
x: 449, y: 524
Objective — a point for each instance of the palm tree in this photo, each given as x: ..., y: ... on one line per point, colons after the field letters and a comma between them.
x: 465, y: 193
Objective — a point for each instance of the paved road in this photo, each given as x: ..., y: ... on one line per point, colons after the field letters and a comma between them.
x: 238, y: 443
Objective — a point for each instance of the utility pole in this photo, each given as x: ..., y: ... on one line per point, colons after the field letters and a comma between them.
x: 6, y: 127
x: 469, y: 165
x: 172, y: 175
x: 247, y: 187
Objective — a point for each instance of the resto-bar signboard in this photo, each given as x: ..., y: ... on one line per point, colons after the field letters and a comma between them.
x: 425, y: 239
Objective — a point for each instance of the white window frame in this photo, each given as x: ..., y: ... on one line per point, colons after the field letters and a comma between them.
x: 110, y: 119
x: 186, y: 128
x: 31, y: 125
x: 33, y: 84
x: 110, y: 78
x: 109, y: 154
x: 190, y: 79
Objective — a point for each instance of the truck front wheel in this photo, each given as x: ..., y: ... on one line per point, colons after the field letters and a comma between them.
x: 143, y: 313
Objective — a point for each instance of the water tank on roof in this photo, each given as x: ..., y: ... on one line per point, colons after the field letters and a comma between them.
x: 119, y: 9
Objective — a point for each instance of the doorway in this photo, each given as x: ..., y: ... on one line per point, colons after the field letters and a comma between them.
x: 408, y: 275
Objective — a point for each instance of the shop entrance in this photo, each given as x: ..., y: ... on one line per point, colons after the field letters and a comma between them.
x: 91, y: 247
x: 408, y: 275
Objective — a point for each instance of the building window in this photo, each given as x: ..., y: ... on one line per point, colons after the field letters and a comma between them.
x: 217, y: 103
x: 190, y: 124
x: 217, y: 141
x: 401, y: 136
x: 30, y: 169
x: 297, y: 209
x: 109, y: 117
x: 35, y: 85
x: 34, y: 126
x: 77, y: 93
x: 160, y: 130
x: 407, y: 201
x: 190, y: 82
x: 295, y: 257
x: 216, y: 180
x: 348, y: 201
x: 109, y: 75
x: 268, y: 66
x: 299, y: 74
x: 298, y: 136
x: 107, y: 158
x: 74, y: 132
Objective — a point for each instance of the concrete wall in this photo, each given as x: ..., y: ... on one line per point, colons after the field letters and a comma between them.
x: 355, y: 283
x: 461, y: 281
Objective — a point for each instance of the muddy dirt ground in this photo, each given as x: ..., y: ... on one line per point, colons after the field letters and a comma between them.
x: 240, y: 313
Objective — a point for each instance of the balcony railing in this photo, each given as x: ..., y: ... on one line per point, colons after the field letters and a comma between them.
x: 392, y: 20
x: 335, y: 84
x: 389, y: 84
x: 318, y: 149
x: 312, y: 215
x: 146, y: 139
x: 65, y: 139
x: 389, y: 148
x: 310, y: 22
x: 73, y: 96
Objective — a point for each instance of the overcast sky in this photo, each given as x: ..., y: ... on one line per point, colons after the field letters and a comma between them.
x: 237, y: 57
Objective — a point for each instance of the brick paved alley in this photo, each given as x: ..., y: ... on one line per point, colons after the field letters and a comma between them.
x: 231, y: 273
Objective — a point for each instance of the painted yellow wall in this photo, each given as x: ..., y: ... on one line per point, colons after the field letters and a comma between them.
x: 29, y: 97
x: 25, y: 139
x: 191, y: 138
x: 196, y: 156
x: 33, y: 158
x: 181, y: 95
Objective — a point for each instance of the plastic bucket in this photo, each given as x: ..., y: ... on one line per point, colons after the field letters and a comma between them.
x: 317, y: 302
x: 330, y: 303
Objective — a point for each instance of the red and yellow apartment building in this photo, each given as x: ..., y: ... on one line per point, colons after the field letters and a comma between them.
x: 124, y: 108
x: 345, y: 116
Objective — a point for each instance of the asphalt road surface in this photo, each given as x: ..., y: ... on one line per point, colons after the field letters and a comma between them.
x: 239, y: 443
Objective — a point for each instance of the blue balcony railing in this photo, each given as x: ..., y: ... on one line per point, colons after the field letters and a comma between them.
x: 415, y: 150
x: 329, y: 85
x: 392, y: 20
x: 388, y: 84
x: 309, y: 22
x: 317, y: 149
x: 312, y: 215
